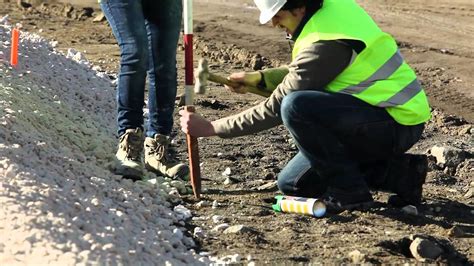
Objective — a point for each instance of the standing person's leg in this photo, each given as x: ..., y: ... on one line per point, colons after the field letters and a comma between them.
x: 128, y: 25
x: 163, y: 24
x: 336, y: 133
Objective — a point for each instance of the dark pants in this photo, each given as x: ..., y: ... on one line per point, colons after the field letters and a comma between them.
x: 147, y: 32
x: 338, y: 137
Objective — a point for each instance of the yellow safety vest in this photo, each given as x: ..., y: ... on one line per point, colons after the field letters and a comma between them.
x: 378, y: 75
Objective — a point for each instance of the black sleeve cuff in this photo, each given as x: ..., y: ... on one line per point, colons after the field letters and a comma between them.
x: 261, y: 85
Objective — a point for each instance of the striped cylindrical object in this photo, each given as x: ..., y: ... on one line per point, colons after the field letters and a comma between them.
x: 309, y: 206
x: 188, y: 51
x: 192, y: 142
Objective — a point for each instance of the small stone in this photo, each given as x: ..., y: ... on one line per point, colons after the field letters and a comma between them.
x: 356, y: 256
x: 217, y: 218
x: 198, y: 232
x: 84, y: 255
x: 227, y: 172
x: 178, y: 233
x: 108, y: 246
x: 449, y: 156
x: 215, y: 204
x: 220, y: 227
x: 201, y: 204
x: 99, y: 18
x: 235, y: 229
x: 87, y: 237
x: 268, y: 186
x: 95, y: 201
x: 228, y: 181
x: 423, y: 249
x: 180, y: 209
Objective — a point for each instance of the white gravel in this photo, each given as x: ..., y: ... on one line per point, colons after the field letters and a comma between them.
x: 58, y: 202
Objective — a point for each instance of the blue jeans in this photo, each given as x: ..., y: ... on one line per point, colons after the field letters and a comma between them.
x: 147, y: 32
x: 337, y: 135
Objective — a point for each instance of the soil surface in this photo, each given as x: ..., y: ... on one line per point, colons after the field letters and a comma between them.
x: 437, y: 39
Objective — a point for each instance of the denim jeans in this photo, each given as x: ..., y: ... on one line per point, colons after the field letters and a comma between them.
x: 147, y: 33
x: 336, y: 135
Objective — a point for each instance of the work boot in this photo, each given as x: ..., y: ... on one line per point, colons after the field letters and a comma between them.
x: 129, y: 154
x: 406, y: 176
x: 159, y: 160
x: 338, y: 200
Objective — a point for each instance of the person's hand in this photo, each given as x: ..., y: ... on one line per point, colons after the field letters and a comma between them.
x: 195, y: 125
x: 242, y: 80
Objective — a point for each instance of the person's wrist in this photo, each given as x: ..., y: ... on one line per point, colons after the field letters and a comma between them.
x: 211, y: 129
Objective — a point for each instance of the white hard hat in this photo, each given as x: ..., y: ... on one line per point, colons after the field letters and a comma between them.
x: 268, y: 8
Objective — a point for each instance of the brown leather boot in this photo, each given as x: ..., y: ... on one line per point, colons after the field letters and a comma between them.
x: 129, y: 154
x: 159, y: 160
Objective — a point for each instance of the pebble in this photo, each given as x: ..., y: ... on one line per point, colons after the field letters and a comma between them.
x: 228, y: 181
x: 356, y: 256
x: 84, y: 255
x: 178, y: 233
x: 201, y: 204
x: 95, y: 201
x: 220, y: 227
x: 200, y: 218
x: 236, y: 229
x: 180, y: 209
x: 217, y: 219
x: 198, y: 232
x: 227, y: 172
x: 108, y: 247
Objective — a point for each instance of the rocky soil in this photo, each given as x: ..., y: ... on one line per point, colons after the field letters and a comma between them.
x: 60, y: 203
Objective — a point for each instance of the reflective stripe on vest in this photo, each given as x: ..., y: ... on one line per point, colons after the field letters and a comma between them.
x: 385, y: 71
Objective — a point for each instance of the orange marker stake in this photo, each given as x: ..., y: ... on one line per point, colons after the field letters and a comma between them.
x: 14, y: 49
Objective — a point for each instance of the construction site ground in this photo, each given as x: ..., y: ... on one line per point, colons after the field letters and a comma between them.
x: 437, y: 39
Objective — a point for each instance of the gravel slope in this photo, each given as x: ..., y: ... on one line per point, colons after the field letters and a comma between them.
x: 58, y: 202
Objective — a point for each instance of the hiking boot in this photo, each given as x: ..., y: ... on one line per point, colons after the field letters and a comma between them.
x: 406, y: 176
x: 338, y: 200
x: 129, y: 154
x: 159, y: 160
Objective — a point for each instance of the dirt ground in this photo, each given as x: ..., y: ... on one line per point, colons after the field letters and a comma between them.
x: 437, y: 39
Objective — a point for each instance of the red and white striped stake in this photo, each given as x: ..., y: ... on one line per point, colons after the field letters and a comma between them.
x: 188, y: 50
x: 193, y: 148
